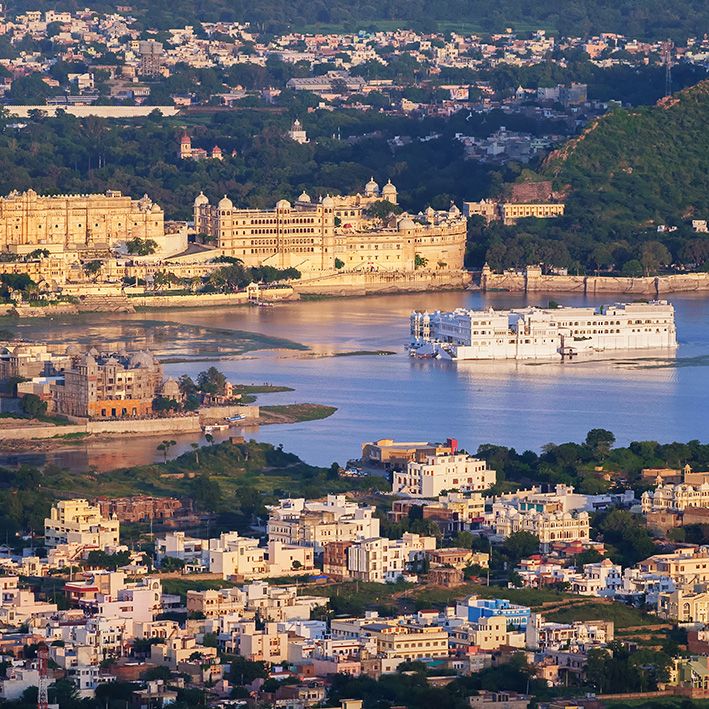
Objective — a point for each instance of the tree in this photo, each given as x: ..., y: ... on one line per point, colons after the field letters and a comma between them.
x: 141, y: 247
x: 165, y: 446
x: 654, y: 254
x: 212, y: 381
x: 600, y: 441
x: 92, y: 268
x: 521, y: 544
x: 632, y: 269
x: 33, y: 406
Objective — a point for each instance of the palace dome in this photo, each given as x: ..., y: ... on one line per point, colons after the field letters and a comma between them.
x: 406, y: 224
x: 225, y: 203
x: 201, y: 199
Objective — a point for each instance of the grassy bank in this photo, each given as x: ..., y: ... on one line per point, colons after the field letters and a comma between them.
x: 295, y: 413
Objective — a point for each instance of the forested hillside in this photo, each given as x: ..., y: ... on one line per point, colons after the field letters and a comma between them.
x: 640, y: 166
x: 647, y: 19
x: 628, y: 173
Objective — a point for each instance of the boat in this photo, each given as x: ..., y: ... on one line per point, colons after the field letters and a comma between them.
x: 235, y: 419
x: 215, y: 427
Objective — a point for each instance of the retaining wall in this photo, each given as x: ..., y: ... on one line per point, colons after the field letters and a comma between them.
x: 647, y: 286
x: 362, y: 283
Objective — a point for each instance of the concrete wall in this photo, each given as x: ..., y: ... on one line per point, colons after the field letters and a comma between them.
x: 364, y: 283
x: 178, y: 424
x: 219, y: 413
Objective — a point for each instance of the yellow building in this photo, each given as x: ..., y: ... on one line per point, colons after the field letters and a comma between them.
x: 78, y: 522
x: 335, y: 232
x: 511, y: 212
x: 29, y: 221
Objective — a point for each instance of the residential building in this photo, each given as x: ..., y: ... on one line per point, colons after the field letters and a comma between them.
x: 396, y: 454
x: 441, y: 473
x: 684, y: 606
x: 316, y: 523
x: 383, y: 560
x: 78, y: 522
x: 473, y: 609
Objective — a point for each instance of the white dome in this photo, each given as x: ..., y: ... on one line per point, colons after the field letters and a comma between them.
x: 328, y: 202
x: 201, y: 199
x: 304, y: 197
x: 371, y: 188
x: 388, y: 188
x: 283, y: 204
x: 225, y: 203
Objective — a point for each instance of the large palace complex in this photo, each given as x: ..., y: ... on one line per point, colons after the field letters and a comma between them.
x: 53, y: 239
x: 335, y: 232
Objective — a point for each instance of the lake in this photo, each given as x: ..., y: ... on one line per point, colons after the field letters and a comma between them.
x: 522, y: 404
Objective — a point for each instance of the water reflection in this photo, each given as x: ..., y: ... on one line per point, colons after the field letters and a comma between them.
x: 525, y: 404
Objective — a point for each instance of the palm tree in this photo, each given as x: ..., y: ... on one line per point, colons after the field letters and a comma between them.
x: 165, y: 446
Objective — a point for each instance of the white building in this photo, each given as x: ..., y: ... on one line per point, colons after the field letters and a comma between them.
x: 440, y: 473
x: 675, y: 498
x: 18, y: 605
x: 549, y: 527
x: 602, y: 579
x: 383, y: 560
x: 78, y: 522
x: 315, y: 523
x: 542, y: 333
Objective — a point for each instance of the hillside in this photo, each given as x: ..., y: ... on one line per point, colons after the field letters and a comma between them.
x: 638, y: 167
x: 647, y: 19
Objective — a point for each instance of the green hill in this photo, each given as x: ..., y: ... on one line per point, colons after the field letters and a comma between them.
x: 638, y: 167
x: 628, y: 173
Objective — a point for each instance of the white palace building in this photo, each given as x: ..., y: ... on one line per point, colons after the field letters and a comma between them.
x: 542, y: 333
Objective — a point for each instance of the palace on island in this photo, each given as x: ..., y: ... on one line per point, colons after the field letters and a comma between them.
x: 542, y: 333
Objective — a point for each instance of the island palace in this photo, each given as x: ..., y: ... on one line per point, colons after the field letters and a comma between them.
x: 542, y: 333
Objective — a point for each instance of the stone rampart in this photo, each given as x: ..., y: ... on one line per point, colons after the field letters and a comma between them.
x: 365, y: 283
x: 202, y: 300
x: 531, y: 280
x: 177, y: 424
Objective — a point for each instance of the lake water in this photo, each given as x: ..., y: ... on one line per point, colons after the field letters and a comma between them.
x: 523, y: 404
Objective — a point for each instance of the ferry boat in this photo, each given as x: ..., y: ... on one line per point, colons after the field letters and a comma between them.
x: 542, y: 333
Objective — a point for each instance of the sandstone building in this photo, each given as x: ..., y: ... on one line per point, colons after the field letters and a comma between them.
x: 90, y: 222
x: 102, y: 386
x: 335, y: 232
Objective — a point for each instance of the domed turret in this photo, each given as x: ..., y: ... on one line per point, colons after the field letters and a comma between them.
x: 328, y: 202
x: 201, y: 199
x: 371, y: 189
x: 406, y: 224
x: 304, y: 197
x: 389, y: 192
x: 225, y: 203
x: 283, y: 204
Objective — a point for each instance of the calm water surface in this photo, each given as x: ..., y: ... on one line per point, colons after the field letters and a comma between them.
x: 522, y: 404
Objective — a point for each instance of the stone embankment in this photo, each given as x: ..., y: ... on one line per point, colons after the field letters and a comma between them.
x: 16, y: 429
x: 532, y: 280
x: 353, y: 283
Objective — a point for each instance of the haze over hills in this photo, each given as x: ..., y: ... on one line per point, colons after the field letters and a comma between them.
x: 647, y: 19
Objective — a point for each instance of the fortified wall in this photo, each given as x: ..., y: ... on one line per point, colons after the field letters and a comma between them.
x: 532, y: 280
